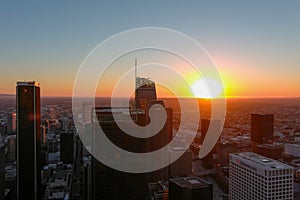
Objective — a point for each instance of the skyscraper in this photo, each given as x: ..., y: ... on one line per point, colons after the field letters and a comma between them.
x: 11, y: 122
x: 2, y: 171
x: 66, y: 148
x: 28, y: 141
x: 252, y: 176
x: 262, y: 128
x: 145, y: 93
x: 108, y: 183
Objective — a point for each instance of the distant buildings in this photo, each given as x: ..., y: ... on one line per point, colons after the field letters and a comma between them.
x: 28, y: 141
x: 252, y: 176
x: 262, y: 128
x: 187, y: 188
x: 59, y: 184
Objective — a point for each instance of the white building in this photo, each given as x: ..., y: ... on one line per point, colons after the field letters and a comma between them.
x: 252, y: 176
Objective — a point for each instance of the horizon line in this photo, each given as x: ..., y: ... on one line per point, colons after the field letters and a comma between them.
x: 184, y: 97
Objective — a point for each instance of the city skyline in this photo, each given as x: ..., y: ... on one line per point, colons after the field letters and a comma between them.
x: 152, y: 100
x: 253, y: 46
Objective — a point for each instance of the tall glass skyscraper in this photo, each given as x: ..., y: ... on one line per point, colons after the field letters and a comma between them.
x: 145, y: 93
x: 28, y: 141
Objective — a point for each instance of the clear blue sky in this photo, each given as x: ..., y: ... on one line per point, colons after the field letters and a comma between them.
x: 47, y: 40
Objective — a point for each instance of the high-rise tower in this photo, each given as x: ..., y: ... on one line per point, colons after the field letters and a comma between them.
x: 2, y: 171
x: 252, y: 176
x: 145, y: 91
x: 28, y: 141
x: 262, y: 128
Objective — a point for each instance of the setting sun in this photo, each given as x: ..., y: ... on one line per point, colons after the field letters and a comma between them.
x: 207, y: 88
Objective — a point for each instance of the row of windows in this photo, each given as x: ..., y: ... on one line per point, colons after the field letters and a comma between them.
x: 246, y: 183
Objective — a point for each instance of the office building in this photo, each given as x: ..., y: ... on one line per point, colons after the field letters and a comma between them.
x: 183, y: 165
x: 252, y: 176
x: 204, y: 129
x: 223, y: 150
x: 11, y: 148
x: 144, y: 93
x: 65, y: 124
x: 190, y: 188
x: 2, y: 170
x: 11, y: 122
x: 3, y: 128
x: 43, y: 135
x: 28, y: 141
x: 270, y: 150
x: 262, y: 128
x: 108, y: 183
x: 66, y: 148
x: 159, y: 190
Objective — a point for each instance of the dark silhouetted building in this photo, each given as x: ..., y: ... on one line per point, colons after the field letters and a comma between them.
x: 262, y: 128
x: 204, y: 128
x: 183, y: 165
x: 2, y: 171
x: 108, y: 183
x: 224, y: 149
x: 215, y: 125
x: 66, y: 148
x: 144, y: 93
x: 11, y: 148
x: 270, y: 150
x: 28, y: 141
x: 190, y: 188
x: 158, y: 190
x: 43, y: 135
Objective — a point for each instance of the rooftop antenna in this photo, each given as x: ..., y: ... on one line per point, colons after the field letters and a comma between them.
x: 136, y: 83
x: 135, y: 68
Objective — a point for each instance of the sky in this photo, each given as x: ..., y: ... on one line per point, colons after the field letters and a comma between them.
x: 255, y: 45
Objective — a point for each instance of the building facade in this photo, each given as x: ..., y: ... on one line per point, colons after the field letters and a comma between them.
x: 2, y: 171
x: 28, y: 141
x: 190, y: 188
x: 252, y: 176
x: 262, y: 128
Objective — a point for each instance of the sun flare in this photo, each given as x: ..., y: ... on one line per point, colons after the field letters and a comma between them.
x: 207, y: 88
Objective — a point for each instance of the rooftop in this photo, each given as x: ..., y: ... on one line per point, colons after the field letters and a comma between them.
x: 190, y: 182
x: 28, y: 83
x: 260, y: 161
x: 269, y: 146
